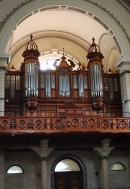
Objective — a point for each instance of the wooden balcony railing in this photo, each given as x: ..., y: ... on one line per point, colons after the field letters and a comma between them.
x: 64, y: 125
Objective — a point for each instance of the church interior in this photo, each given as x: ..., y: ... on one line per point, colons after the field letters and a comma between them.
x: 64, y: 94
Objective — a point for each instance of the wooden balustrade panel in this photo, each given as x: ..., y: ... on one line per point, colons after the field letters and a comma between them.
x: 64, y: 125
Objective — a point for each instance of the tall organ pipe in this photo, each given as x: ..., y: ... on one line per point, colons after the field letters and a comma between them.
x: 31, y: 81
x: 95, y: 69
x: 31, y: 65
x: 96, y: 81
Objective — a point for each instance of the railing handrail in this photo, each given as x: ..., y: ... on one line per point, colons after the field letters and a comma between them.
x: 52, y: 125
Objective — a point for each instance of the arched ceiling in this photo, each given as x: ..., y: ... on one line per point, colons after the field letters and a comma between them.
x: 63, y: 26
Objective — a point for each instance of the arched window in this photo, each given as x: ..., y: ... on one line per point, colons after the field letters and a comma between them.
x: 117, y: 167
x: 15, y: 169
x: 50, y: 59
x: 67, y: 165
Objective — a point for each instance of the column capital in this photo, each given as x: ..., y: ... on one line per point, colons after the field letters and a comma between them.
x: 2, y: 68
x: 4, y: 60
x: 43, y: 151
x: 124, y: 67
x: 105, y: 149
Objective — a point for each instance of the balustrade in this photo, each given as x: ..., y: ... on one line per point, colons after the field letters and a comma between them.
x: 64, y: 124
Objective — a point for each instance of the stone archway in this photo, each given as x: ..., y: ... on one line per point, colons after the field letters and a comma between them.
x: 68, y: 172
x: 85, y: 5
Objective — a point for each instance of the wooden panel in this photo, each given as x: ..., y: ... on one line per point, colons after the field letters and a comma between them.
x: 68, y: 180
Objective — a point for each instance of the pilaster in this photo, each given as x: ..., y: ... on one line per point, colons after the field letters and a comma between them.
x: 43, y: 152
x: 104, y: 152
x: 3, y: 62
x: 1, y: 169
x: 124, y: 68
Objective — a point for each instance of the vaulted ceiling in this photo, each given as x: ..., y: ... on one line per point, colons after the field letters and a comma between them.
x: 63, y: 25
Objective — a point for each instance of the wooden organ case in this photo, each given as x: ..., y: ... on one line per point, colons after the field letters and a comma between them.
x: 69, y: 90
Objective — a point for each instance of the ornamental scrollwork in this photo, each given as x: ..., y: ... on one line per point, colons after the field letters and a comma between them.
x: 4, y: 124
x: 38, y: 124
x: 30, y: 124
x: 105, y: 124
x: 91, y: 123
x: 75, y: 123
x: 122, y: 124
x: 58, y: 124
x: 22, y: 124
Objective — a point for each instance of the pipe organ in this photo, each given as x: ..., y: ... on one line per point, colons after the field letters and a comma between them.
x: 64, y: 91
x: 30, y: 69
x: 96, y: 75
x: 31, y: 80
x: 96, y: 81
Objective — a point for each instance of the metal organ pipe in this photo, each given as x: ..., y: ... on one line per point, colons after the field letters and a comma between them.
x: 96, y: 81
x: 31, y: 81
x: 36, y: 80
x: 95, y: 69
x: 30, y: 69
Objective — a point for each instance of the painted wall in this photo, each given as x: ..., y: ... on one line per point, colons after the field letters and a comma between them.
x: 89, y: 160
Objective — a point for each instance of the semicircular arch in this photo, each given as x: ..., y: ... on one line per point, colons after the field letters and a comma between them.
x: 85, y: 5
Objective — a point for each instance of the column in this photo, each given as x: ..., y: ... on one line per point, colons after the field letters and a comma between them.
x: 124, y: 68
x: 3, y: 62
x: 2, y: 169
x: 43, y: 152
x: 103, y: 152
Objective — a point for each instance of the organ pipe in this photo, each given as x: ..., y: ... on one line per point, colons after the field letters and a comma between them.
x: 95, y: 69
x: 31, y: 68
x: 31, y: 80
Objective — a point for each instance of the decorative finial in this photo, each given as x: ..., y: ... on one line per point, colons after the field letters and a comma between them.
x: 31, y: 37
x: 94, y: 51
x: 63, y: 51
x: 31, y: 48
x: 93, y: 39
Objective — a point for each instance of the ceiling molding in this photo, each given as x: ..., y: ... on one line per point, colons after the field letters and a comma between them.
x: 108, y: 57
x: 12, y: 12
x: 112, y: 16
x: 51, y: 33
x: 90, y: 1
x: 123, y: 4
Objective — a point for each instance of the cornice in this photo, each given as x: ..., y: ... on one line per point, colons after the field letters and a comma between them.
x: 12, y: 11
x: 112, y: 16
x: 124, y: 4
x: 90, y: 1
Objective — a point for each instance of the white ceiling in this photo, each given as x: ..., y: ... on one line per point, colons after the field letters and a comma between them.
x: 75, y: 23
x: 58, y: 27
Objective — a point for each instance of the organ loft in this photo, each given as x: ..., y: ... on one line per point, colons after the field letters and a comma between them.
x: 64, y: 94
x: 68, y: 90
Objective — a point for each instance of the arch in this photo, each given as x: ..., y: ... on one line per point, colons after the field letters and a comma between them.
x: 79, y: 162
x: 118, y: 166
x: 49, y: 58
x: 85, y: 5
x: 67, y: 165
x: 15, y: 169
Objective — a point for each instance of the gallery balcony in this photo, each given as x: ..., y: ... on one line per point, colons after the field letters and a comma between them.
x: 64, y: 125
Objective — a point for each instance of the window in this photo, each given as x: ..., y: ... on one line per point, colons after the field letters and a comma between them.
x: 67, y: 165
x: 49, y: 64
x: 15, y: 169
x: 117, y: 167
x: 50, y: 59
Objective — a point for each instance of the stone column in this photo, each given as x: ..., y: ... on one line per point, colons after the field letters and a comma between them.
x: 3, y: 62
x: 2, y: 169
x: 103, y: 152
x: 43, y: 152
x: 124, y: 68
